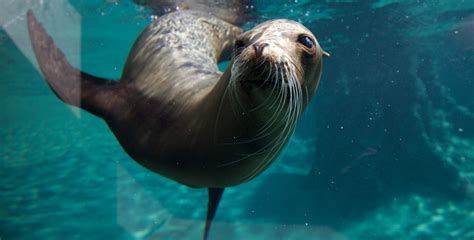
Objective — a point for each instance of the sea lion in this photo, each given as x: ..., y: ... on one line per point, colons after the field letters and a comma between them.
x: 173, y: 111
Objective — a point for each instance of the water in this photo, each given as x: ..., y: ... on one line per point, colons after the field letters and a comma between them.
x: 385, y: 151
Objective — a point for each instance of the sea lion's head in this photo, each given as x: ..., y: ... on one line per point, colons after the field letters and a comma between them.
x: 275, y: 61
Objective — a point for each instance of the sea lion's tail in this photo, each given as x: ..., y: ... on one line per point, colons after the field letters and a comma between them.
x: 72, y: 86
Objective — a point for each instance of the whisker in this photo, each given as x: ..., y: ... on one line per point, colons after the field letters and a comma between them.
x: 286, y: 107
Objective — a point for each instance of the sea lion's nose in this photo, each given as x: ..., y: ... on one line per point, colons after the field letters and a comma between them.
x: 259, y: 49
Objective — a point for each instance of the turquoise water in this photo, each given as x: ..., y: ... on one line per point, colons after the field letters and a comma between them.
x: 385, y: 150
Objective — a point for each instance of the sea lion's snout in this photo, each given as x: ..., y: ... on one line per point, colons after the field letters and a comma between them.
x: 263, y: 64
x: 261, y: 52
x: 258, y: 47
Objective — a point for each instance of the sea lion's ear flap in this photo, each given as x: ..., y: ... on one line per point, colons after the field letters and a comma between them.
x: 325, y: 54
x: 215, y: 195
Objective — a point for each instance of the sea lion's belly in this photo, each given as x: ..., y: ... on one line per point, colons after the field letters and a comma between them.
x: 183, y: 148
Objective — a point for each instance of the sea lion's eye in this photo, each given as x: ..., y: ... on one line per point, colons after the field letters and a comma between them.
x: 306, y: 41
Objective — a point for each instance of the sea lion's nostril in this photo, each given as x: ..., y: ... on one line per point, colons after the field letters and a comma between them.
x: 259, y: 49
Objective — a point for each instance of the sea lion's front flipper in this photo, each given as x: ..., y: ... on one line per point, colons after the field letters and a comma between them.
x: 215, y: 195
x: 72, y: 86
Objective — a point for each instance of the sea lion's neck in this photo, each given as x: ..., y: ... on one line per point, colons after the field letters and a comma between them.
x: 237, y: 128
x: 233, y: 120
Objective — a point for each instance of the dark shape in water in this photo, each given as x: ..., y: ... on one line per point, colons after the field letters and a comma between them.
x: 233, y: 11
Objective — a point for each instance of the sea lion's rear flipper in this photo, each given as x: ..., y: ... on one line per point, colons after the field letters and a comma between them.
x: 68, y: 83
x: 236, y: 12
x: 215, y: 195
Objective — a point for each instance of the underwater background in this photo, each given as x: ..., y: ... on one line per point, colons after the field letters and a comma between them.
x: 385, y: 150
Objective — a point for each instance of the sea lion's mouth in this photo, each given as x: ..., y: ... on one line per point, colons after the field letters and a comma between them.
x: 261, y: 75
x: 264, y: 83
